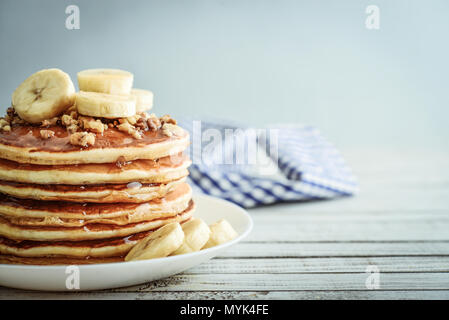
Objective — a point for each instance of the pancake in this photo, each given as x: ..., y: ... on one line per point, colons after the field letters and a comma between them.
x: 133, y: 192
x: 101, y: 248
x: 24, y: 144
x: 88, y: 232
x: 78, y: 249
x: 66, y: 214
x: 149, y: 171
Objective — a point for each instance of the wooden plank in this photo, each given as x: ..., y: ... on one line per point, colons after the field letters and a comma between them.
x: 271, y: 228
x: 372, y: 200
x: 336, y: 249
x: 294, y: 282
x: 321, y: 265
x: 230, y: 295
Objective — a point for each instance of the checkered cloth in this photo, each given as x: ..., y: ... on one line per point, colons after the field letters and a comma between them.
x: 284, y: 163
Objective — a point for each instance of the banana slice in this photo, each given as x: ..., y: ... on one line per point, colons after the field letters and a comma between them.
x: 43, y: 95
x: 144, y: 99
x: 104, y: 105
x: 196, y: 233
x: 221, y: 232
x: 158, y: 244
x: 112, y: 81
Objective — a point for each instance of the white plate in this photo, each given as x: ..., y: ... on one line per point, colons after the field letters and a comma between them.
x: 121, y: 274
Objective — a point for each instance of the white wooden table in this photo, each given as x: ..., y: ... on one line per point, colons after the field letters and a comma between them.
x: 320, y: 250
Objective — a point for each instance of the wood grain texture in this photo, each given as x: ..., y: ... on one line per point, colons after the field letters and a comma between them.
x: 320, y: 250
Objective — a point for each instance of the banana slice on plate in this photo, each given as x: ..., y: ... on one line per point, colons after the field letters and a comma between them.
x: 112, y: 81
x: 221, y: 232
x: 104, y: 105
x: 158, y: 244
x: 144, y: 99
x: 196, y: 234
x: 43, y: 95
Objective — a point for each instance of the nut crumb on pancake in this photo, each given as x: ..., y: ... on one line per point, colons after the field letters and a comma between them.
x: 50, y: 122
x: 92, y: 124
x: 47, y: 134
x: 171, y: 129
x: 130, y: 129
x: 83, y: 139
x: 4, y: 125
x: 167, y: 119
x: 153, y: 122
x: 83, y: 129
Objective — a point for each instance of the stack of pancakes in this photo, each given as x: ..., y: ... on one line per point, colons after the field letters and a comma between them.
x: 64, y: 204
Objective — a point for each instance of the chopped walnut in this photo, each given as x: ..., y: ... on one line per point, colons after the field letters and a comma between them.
x: 91, y: 124
x: 70, y: 122
x: 12, y: 117
x: 11, y: 111
x: 4, y: 125
x: 83, y: 139
x: 142, y: 124
x: 47, y: 134
x: 72, y: 128
x: 49, y: 122
x: 169, y: 130
x: 126, y: 127
x: 133, y: 119
x: 168, y: 119
x: 153, y: 122
x: 67, y: 120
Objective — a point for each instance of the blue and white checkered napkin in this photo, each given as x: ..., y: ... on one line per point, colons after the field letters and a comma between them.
x: 292, y: 163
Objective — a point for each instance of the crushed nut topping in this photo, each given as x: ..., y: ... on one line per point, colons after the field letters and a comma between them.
x: 83, y: 139
x: 168, y: 119
x: 153, y: 122
x: 126, y: 127
x: 47, y: 134
x: 91, y: 124
x: 11, y: 118
x: 169, y: 130
x: 50, y: 122
x: 83, y: 129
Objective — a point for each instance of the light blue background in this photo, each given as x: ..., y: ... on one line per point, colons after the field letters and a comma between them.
x: 267, y: 61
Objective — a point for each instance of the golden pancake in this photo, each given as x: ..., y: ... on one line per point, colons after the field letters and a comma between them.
x: 67, y: 214
x: 133, y: 192
x: 149, y: 171
x: 87, y: 232
x: 76, y: 249
x: 25, y: 145
x: 113, y: 247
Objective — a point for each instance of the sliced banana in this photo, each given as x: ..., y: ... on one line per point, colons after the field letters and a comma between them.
x: 112, y: 81
x: 144, y: 99
x: 43, y: 95
x: 196, y: 235
x: 158, y: 244
x: 221, y: 232
x: 104, y: 105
